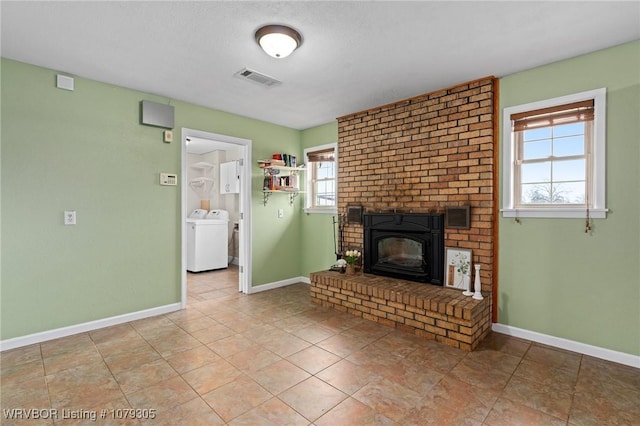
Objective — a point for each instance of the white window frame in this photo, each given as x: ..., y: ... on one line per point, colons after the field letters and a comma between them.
x: 597, y: 209
x: 309, y: 181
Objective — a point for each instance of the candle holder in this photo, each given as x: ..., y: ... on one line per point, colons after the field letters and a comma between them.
x: 467, y: 285
x: 477, y: 285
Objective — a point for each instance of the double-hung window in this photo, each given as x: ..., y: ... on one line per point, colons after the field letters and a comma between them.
x: 554, y: 157
x: 321, y: 177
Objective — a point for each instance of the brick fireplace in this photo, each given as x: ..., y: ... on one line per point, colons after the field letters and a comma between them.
x: 420, y: 155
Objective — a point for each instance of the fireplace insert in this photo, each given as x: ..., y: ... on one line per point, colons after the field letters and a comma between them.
x: 408, y: 246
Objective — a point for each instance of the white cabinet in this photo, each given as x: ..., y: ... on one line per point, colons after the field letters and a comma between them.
x: 229, y: 178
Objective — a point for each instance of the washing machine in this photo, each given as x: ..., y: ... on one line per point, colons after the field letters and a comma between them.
x: 207, y: 240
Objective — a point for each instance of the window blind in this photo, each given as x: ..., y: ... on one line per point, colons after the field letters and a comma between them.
x: 322, y: 155
x: 553, y: 116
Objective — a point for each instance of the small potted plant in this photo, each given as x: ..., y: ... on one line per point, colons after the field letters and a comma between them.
x: 352, y: 257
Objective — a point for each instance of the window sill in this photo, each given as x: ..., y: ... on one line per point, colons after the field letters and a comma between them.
x: 311, y: 210
x: 555, y: 213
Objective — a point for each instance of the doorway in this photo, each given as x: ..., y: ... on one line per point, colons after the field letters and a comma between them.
x: 210, y: 142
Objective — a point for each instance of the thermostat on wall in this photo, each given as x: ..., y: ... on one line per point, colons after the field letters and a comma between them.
x: 168, y: 179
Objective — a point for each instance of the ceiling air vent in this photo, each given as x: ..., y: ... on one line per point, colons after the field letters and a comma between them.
x: 257, y: 77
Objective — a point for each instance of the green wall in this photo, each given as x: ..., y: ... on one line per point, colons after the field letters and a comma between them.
x: 86, y: 151
x: 317, y: 228
x: 553, y: 278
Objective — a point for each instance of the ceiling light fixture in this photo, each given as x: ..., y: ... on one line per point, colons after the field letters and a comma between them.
x: 278, y: 40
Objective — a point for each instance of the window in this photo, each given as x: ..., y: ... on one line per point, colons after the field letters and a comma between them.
x: 321, y: 179
x: 554, y: 157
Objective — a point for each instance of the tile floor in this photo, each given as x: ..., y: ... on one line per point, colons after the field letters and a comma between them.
x: 273, y: 358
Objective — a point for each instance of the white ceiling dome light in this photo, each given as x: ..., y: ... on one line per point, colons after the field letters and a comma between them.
x: 278, y: 41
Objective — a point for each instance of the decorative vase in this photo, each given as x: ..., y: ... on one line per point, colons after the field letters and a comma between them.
x: 351, y: 269
x: 477, y: 285
x: 467, y: 284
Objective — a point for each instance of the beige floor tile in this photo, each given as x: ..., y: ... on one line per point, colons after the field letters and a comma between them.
x: 63, y: 361
x: 482, y: 377
x: 195, y: 412
x: 312, y: 398
x: 313, y: 359
x: 115, y: 333
x: 314, y: 333
x: 145, y: 375
x: 553, y: 357
x: 137, y: 356
x: 20, y: 371
x: 253, y: 360
x: 347, y: 376
x: 286, y: 345
x: 509, y: 413
x: 232, y: 345
x: 19, y: 356
x: 341, y: 345
x: 211, y: 376
x: 457, y: 401
x: 555, y: 378
x: 213, y: 333
x: 237, y: 397
x: 191, y: 359
x: 272, y: 413
x: 64, y: 345
x: 539, y: 396
x: 166, y: 394
x: 353, y: 412
x: 174, y: 343
x: 390, y: 399
x: 279, y: 376
x: 31, y: 393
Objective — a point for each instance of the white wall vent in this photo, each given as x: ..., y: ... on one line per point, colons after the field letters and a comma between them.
x: 257, y: 77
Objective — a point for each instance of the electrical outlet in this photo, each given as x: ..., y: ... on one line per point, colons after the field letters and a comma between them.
x: 280, y: 213
x: 69, y: 217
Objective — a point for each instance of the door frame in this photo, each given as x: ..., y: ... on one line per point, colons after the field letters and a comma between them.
x: 244, y: 221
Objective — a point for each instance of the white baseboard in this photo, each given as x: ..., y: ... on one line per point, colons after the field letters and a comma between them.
x: 278, y: 284
x: 43, y: 336
x: 570, y: 345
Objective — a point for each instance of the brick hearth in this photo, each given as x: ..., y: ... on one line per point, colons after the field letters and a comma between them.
x: 434, y: 312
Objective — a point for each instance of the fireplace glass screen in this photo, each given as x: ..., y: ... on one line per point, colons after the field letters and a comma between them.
x: 408, y: 246
x: 403, y: 252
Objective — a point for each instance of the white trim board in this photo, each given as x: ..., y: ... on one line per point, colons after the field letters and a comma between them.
x: 57, y: 333
x: 278, y: 284
x: 570, y: 345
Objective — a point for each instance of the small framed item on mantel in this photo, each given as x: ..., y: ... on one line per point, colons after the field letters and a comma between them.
x: 457, y: 268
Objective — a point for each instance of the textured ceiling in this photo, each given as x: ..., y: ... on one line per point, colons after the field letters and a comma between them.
x: 355, y: 55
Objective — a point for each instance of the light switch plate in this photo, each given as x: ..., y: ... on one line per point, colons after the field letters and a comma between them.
x: 168, y: 136
x: 280, y: 213
x: 69, y: 217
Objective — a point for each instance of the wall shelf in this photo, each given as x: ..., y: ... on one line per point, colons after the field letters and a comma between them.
x: 202, y: 165
x: 292, y: 191
x: 267, y: 192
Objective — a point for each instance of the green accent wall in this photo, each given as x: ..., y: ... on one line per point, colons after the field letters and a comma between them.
x: 86, y: 151
x: 553, y: 277
x: 317, y: 228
